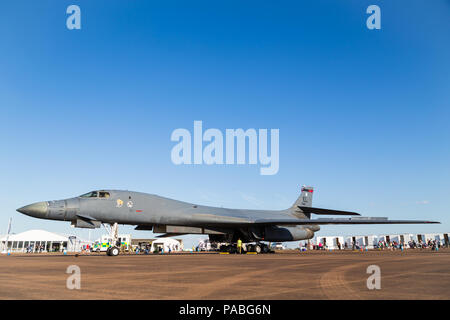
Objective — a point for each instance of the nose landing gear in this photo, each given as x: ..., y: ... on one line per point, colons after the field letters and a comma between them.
x: 114, y: 249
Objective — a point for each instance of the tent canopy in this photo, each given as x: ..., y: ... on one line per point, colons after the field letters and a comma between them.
x: 36, y: 235
x: 166, y: 243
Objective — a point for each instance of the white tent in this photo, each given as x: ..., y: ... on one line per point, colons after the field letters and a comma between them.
x: 331, y: 242
x: 365, y: 241
x: 385, y: 238
x: 165, y: 244
x: 433, y: 236
x: 419, y: 237
x: 370, y: 241
x: 34, y: 239
x: 357, y: 240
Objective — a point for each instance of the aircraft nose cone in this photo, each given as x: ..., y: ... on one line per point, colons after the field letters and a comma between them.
x: 37, y: 210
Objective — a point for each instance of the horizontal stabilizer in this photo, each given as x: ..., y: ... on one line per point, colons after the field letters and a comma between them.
x: 313, y: 210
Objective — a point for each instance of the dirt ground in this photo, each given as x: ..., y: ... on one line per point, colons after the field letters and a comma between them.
x: 414, y: 274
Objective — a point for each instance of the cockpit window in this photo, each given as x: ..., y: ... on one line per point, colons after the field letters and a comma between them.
x: 103, y: 194
x: 93, y: 194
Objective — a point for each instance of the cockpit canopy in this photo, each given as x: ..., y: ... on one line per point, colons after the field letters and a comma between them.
x: 96, y: 194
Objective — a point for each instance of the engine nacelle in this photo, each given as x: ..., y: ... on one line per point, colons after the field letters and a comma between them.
x: 280, y: 234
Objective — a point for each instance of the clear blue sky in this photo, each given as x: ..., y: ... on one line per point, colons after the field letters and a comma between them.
x: 363, y: 114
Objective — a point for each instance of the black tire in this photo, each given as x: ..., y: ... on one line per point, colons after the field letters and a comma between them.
x: 107, y: 252
x: 114, y: 251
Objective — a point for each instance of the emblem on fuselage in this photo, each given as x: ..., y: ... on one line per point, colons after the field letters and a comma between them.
x: 119, y: 203
x: 130, y: 204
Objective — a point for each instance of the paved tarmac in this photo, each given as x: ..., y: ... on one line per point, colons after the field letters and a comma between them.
x: 415, y: 274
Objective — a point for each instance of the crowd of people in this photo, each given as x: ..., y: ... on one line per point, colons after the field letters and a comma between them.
x: 383, y: 245
x: 412, y: 244
x: 37, y: 248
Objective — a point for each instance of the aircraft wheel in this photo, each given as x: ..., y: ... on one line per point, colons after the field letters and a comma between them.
x: 258, y: 248
x: 114, y: 251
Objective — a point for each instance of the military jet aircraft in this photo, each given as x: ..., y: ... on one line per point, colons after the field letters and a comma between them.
x: 172, y: 217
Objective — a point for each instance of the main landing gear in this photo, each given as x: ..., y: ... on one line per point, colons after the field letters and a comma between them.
x: 257, y: 247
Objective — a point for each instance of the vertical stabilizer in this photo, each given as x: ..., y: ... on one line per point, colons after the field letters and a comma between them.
x: 305, y: 200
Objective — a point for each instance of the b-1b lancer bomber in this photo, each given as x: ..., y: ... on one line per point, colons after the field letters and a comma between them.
x: 172, y: 217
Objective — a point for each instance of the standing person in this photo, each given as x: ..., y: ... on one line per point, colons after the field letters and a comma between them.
x: 239, y: 245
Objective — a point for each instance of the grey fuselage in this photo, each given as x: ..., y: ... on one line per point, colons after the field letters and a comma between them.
x: 163, y: 215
